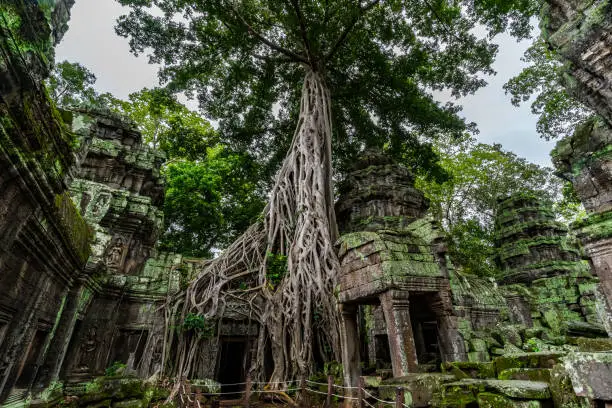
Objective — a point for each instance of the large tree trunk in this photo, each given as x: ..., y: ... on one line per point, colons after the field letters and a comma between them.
x: 300, y: 221
x: 299, y: 224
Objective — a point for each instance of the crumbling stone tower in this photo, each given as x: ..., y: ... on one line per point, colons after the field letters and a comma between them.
x: 393, y: 257
x: 119, y: 192
x: 541, y: 268
x: 581, y: 32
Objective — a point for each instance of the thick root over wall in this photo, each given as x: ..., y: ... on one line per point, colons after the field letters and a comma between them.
x: 299, y: 315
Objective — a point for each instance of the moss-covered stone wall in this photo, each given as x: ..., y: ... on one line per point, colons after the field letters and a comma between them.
x: 44, y: 242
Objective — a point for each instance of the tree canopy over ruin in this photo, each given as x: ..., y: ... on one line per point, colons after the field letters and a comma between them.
x: 359, y: 72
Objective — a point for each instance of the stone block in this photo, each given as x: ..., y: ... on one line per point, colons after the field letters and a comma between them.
x: 591, y: 374
x: 135, y: 403
x: 525, y: 374
x: 585, y: 344
x: 543, y: 359
x: 478, y: 356
x: 561, y: 390
x: 520, y: 389
x: 421, y: 387
x: 492, y: 400
x: 480, y: 370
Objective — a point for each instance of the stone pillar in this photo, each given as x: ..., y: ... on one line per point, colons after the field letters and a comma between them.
x: 58, y: 347
x: 349, y: 337
x: 601, y: 258
x: 396, y: 308
x: 20, y: 333
x: 452, y: 346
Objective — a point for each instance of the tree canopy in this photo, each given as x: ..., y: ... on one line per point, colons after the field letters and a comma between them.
x: 244, y: 61
x: 466, y: 202
x: 71, y: 84
x: 543, y: 78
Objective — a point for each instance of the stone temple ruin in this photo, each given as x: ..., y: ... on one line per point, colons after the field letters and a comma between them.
x: 82, y: 284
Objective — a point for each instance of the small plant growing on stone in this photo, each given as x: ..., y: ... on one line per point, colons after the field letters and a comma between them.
x: 198, y: 324
x: 276, y: 268
x: 115, y: 369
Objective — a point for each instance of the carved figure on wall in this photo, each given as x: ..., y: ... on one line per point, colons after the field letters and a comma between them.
x: 100, y: 205
x: 115, y: 254
x: 87, y: 350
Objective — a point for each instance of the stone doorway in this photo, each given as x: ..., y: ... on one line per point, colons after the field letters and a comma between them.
x: 425, y: 329
x: 382, y: 352
x: 28, y: 369
x: 233, y: 363
x: 129, y: 347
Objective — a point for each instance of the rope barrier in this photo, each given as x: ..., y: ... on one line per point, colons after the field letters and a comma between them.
x: 368, y: 404
x: 376, y: 399
x: 333, y: 395
x: 264, y: 391
x: 330, y: 386
x: 317, y: 383
x: 346, y: 388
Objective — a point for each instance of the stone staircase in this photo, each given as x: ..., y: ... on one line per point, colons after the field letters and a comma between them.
x: 18, y: 398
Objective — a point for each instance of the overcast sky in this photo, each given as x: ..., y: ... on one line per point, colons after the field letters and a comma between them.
x: 91, y: 40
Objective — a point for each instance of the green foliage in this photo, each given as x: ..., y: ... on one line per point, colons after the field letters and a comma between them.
x: 276, y: 268
x: 544, y: 77
x: 245, y: 62
x: 71, y: 84
x: 471, y: 246
x: 569, y: 206
x: 166, y: 123
x: 466, y: 202
x: 209, y: 202
x: 115, y: 369
x: 199, y: 325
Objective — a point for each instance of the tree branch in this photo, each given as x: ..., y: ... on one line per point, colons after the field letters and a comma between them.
x: 349, y: 28
x: 302, y: 21
x: 292, y: 55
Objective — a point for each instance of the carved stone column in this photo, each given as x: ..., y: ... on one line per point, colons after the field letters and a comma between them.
x: 20, y: 332
x: 349, y: 336
x: 396, y: 308
x: 58, y: 347
x: 601, y: 258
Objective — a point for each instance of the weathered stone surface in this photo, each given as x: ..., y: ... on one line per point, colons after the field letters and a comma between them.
x: 491, y: 400
x: 525, y: 374
x: 464, y: 392
x: 420, y: 386
x: 464, y: 369
x: 545, y: 281
x: 527, y: 360
x: 591, y: 374
x: 562, y: 391
x: 393, y: 255
x: 580, y: 32
x: 44, y: 242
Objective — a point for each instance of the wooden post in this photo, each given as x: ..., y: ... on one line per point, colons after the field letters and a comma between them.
x: 361, y: 393
x: 399, y: 397
x: 198, y: 396
x: 247, y: 391
x: 302, y: 401
x: 330, y: 390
